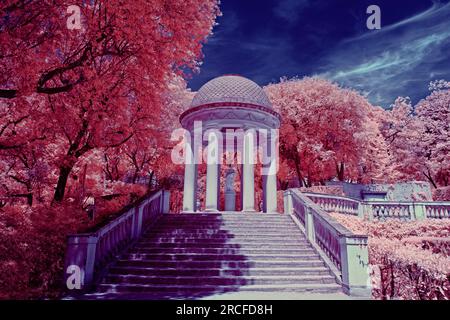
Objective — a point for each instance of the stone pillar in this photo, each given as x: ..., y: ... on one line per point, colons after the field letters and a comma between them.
x: 270, y: 158
x: 355, y: 264
x: 287, y: 202
x: 270, y: 188
x: 190, y: 179
x: 248, y: 175
x: 165, y: 201
x: 420, y: 212
x: 212, y: 173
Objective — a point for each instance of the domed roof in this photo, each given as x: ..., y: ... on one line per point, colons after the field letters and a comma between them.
x: 231, y: 88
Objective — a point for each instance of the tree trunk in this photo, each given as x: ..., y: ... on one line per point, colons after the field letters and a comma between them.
x: 430, y: 178
x: 62, y: 182
x: 340, y: 171
x: 30, y: 199
x: 150, y: 184
x: 301, y: 181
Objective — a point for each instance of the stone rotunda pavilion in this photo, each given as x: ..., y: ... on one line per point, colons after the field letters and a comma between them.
x: 235, y: 106
x: 181, y: 256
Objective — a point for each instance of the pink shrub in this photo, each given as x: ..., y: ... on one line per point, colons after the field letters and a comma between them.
x: 280, y: 201
x: 355, y: 224
x: 441, y: 194
x: 408, y: 272
x: 32, y: 248
x: 410, y: 259
x: 393, y: 229
x: 435, y: 244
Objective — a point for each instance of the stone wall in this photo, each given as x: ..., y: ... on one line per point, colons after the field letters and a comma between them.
x: 404, y: 191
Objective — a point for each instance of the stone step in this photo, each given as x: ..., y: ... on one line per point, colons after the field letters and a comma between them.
x: 219, y: 272
x: 230, y: 218
x: 194, y: 250
x: 196, y: 255
x: 261, y: 221
x: 225, y: 217
x: 178, y: 291
x: 212, y: 216
x: 219, y: 280
x: 225, y: 232
x: 221, y: 264
x: 222, y: 241
x: 219, y: 223
x: 228, y: 226
x: 196, y: 232
x: 222, y: 245
x: 218, y: 257
x: 244, y: 237
x: 256, y: 217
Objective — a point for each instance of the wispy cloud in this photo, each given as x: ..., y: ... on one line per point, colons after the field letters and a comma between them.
x: 403, y: 55
x: 305, y: 37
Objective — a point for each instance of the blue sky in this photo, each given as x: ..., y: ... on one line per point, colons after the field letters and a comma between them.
x: 268, y: 39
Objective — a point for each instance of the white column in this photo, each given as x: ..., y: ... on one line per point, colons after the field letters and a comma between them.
x: 190, y: 179
x: 270, y: 188
x: 248, y: 176
x: 212, y: 173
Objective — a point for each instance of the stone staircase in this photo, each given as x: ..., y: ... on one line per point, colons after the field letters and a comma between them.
x: 200, y: 255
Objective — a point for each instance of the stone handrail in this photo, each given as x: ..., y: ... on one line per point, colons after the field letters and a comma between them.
x: 88, y: 253
x: 332, y: 203
x: 344, y: 252
x: 382, y: 210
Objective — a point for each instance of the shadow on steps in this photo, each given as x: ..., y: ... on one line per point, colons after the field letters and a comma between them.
x: 182, y: 257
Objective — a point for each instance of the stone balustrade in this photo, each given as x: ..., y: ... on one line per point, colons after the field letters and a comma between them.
x: 436, y: 210
x: 390, y: 210
x: 382, y: 210
x: 331, y: 203
x: 344, y: 252
x: 90, y: 252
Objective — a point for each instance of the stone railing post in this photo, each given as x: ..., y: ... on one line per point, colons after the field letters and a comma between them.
x: 140, y: 215
x: 287, y: 202
x: 309, y: 224
x: 135, y: 225
x: 366, y: 210
x: 419, y: 210
x: 361, y: 212
x: 165, y: 199
x: 80, y: 261
x: 90, y: 260
x: 354, y: 265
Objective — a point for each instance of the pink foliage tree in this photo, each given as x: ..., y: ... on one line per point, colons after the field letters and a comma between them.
x: 418, y: 136
x: 93, y: 88
x: 327, y: 131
